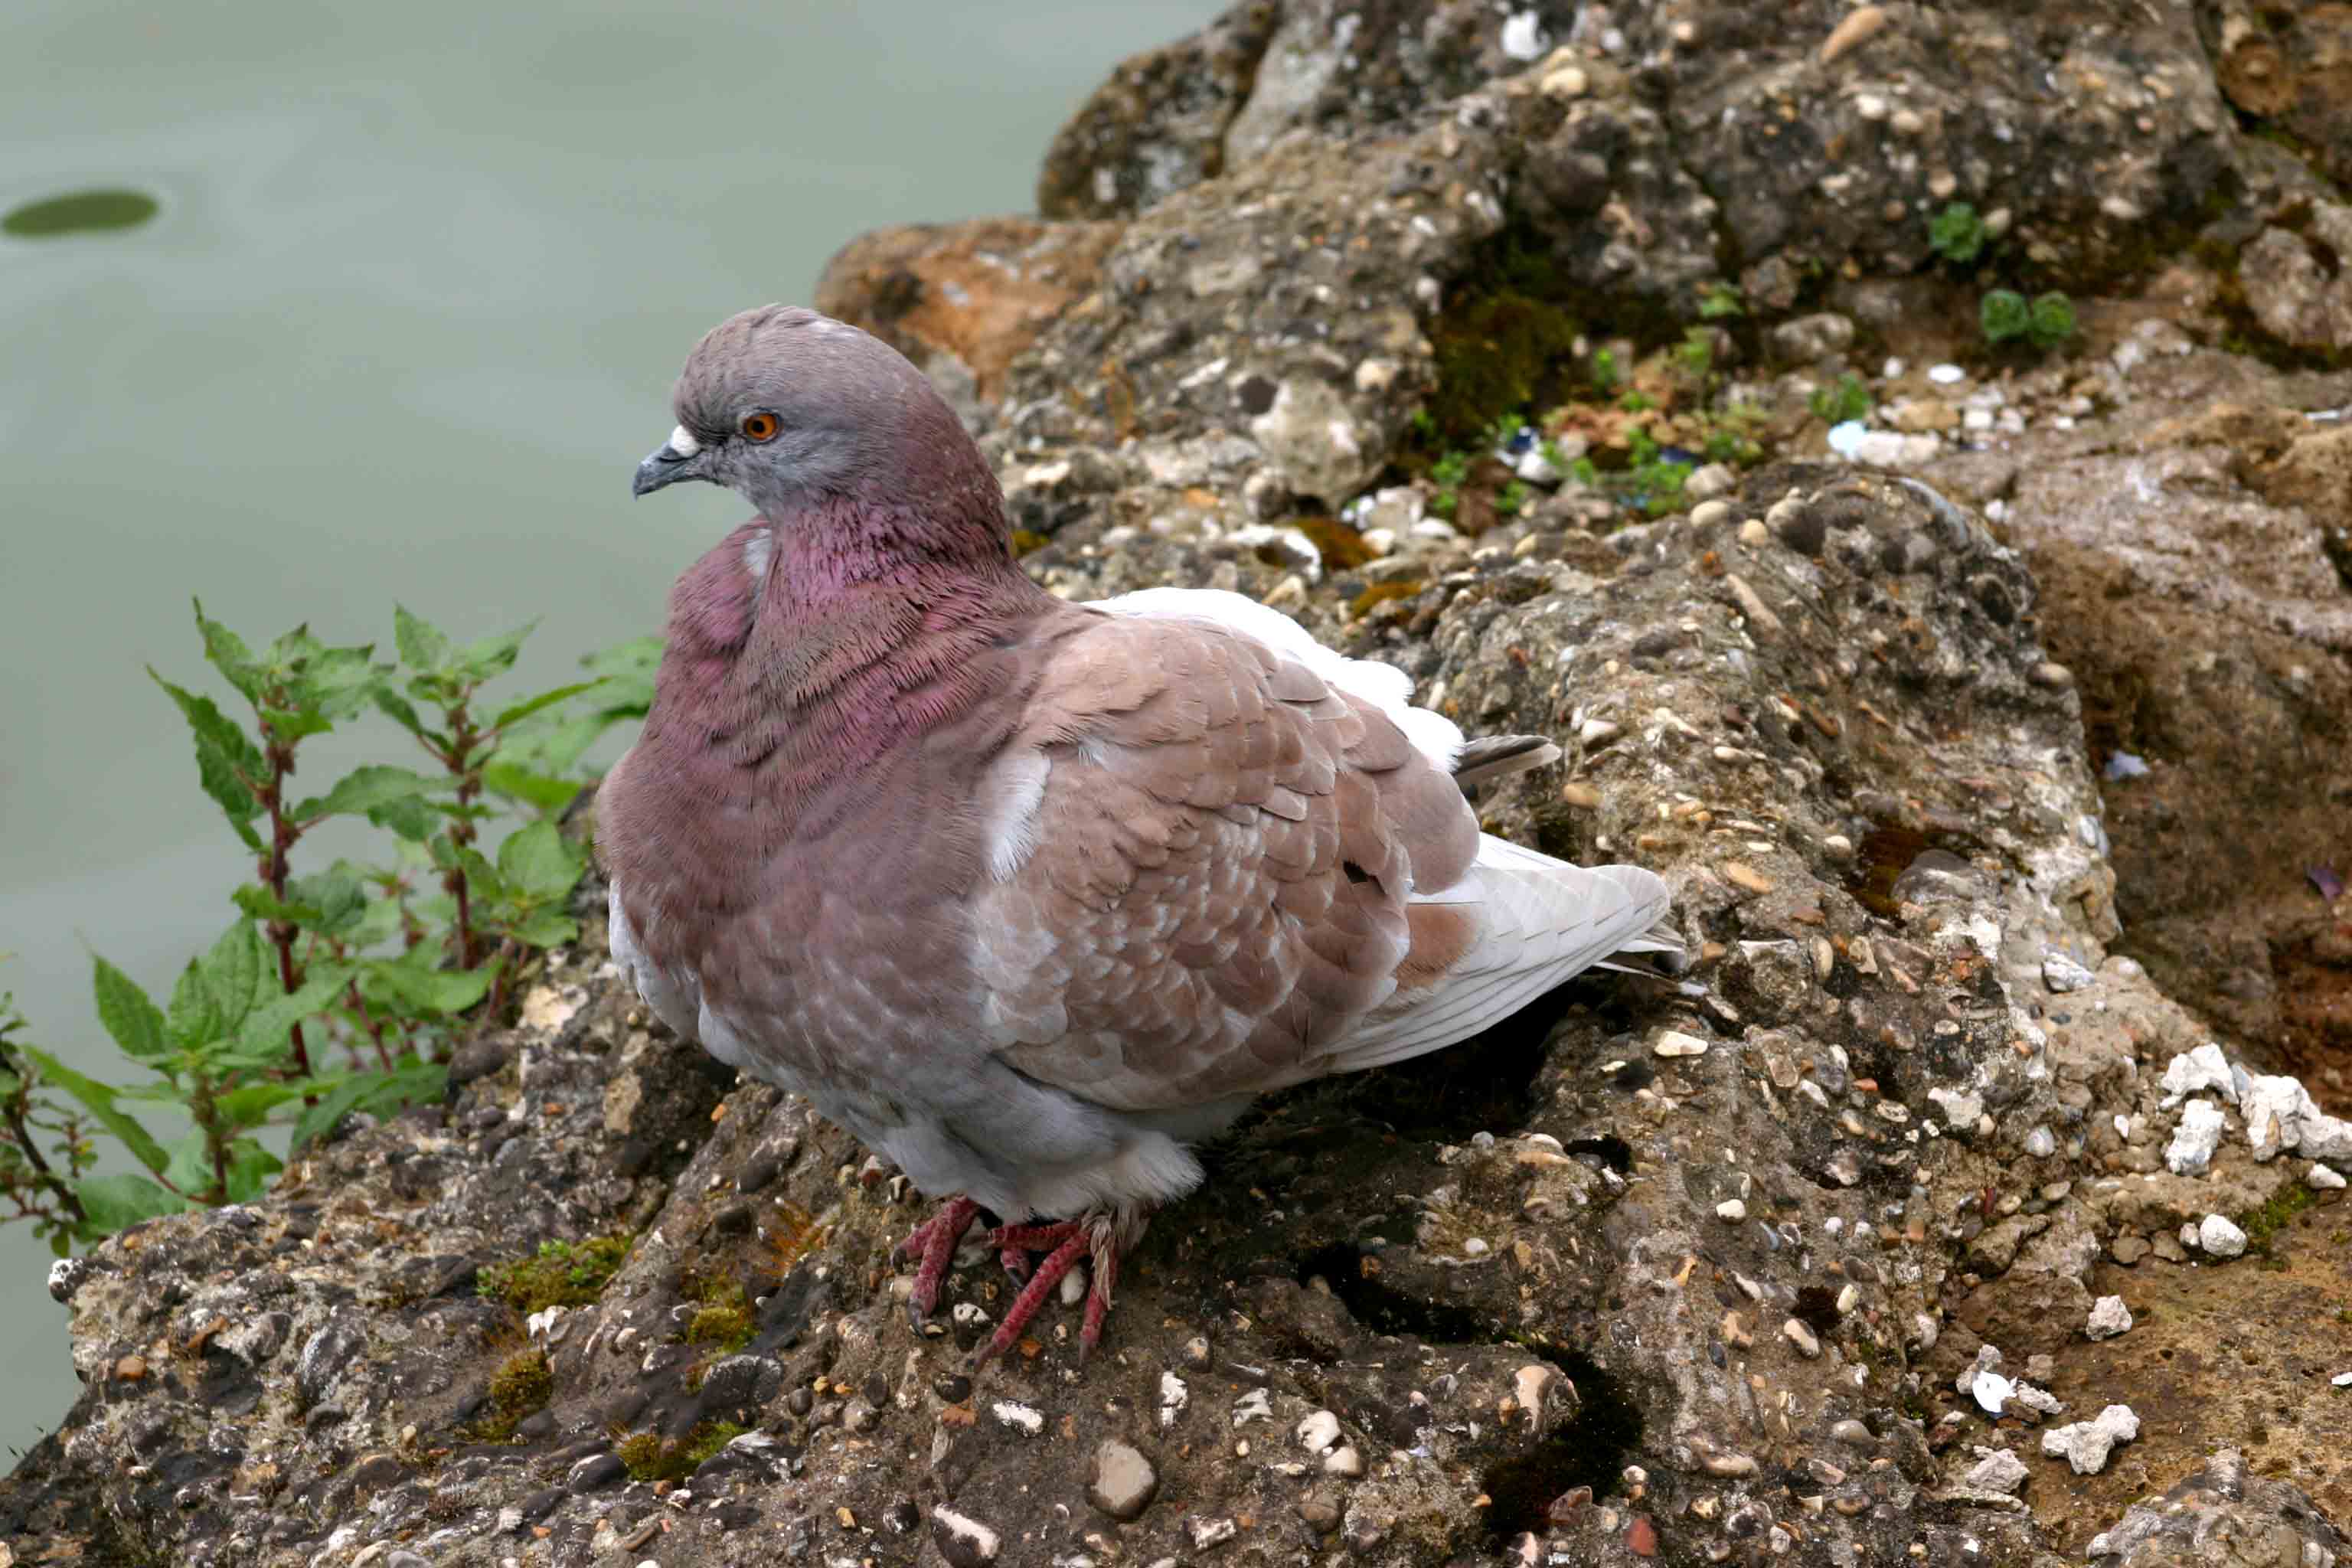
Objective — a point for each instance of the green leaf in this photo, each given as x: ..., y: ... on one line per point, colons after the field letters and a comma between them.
x: 2003, y: 314
x: 543, y: 790
x: 265, y: 1030
x: 240, y: 973
x: 250, y: 1166
x: 226, y: 652
x: 530, y: 705
x: 251, y: 1106
x: 490, y: 657
x: 411, y: 1081
x: 538, y: 863
x: 130, y: 1017
x: 194, y: 1016
x: 190, y: 1171
x: 365, y: 791
x: 2052, y: 318
x: 399, y: 710
x: 547, y: 928
x: 422, y: 647
x: 295, y: 725
x: 434, y: 992
x: 119, y: 1201
x: 330, y: 902
x: 97, y: 1099
x: 336, y: 681
x: 228, y: 765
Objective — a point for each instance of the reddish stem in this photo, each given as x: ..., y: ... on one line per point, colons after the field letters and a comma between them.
x: 275, y: 875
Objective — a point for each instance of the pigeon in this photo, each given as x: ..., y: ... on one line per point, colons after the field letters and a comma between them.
x: 1035, y: 898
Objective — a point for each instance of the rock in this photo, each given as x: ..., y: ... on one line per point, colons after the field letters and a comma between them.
x: 2193, y: 1072
x: 962, y: 299
x: 2212, y: 1510
x: 2221, y: 1237
x: 2325, y: 1180
x: 1996, y: 1471
x: 1122, y: 1482
x: 2085, y: 1444
x: 2109, y: 1316
x: 962, y: 1540
x: 1862, y: 739
x: 2063, y: 974
x: 2194, y: 1140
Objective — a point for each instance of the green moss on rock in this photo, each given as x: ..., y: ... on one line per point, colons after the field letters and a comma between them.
x: 560, y: 1274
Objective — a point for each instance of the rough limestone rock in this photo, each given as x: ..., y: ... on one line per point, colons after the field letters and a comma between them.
x: 1714, y: 1269
x: 2221, y: 1517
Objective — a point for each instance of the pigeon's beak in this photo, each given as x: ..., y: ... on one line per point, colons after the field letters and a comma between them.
x: 679, y: 457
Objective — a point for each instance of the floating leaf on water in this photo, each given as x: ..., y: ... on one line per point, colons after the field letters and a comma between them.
x: 79, y: 212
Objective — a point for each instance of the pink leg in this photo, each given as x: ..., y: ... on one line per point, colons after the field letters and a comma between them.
x: 1064, y: 1242
x: 1072, y: 1239
x: 934, y: 1246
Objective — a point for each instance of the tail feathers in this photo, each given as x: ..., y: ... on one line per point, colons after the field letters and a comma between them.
x: 1493, y: 757
x: 1543, y: 922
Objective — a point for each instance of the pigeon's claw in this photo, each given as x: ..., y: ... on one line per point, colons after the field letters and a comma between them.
x: 1095, y: 1237
x: 933, y: 1245
x: 1069, y: 1242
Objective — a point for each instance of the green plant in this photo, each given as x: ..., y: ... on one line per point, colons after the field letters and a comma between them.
x: 519, y: 1388
x: 1719, y: 301
x: 1446, y: 476
x: 2045, y: 321
x: 1633, y: 400
x: 650, y: 1458
x: 1585, y: 472
x: 1605, y: 373
x: 1511, y: 498
x: 1848, y: 398
x: 560, y: 1274
x: 351, y: 961
x: 1957, y: 234
x: 1695, y: 354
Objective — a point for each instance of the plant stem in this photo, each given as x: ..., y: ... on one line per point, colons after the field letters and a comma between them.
x: 274, y: 874
x: 43, y: 1173
x: 460, y: 762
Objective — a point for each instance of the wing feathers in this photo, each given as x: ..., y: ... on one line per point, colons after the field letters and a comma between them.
x: 1240, y: 872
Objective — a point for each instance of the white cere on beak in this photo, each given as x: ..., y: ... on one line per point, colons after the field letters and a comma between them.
x: 684, y: 443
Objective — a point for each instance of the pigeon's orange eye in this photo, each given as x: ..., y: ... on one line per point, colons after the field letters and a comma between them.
x: 761, y: 427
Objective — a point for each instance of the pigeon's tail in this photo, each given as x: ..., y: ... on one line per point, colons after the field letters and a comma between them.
x: 1534, y: 922
x: 1493, y: 757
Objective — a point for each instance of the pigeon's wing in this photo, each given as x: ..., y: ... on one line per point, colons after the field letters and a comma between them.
x: 1214, y: 869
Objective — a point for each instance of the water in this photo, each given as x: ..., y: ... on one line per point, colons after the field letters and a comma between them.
x: 404, y: 325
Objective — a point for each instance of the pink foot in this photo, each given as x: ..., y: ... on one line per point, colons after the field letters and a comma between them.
x: 934, y: 1246
x: 1064, y: 1243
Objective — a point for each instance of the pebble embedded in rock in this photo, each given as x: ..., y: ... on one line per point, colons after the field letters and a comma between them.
x: 1996, y: 1471
x: 1674, y: 1043
x: 2221, y: 1237
x: 1808, y: 1343
x: 963, y: 1541
x: 1344, y: 1461
x: 2109, y: 1316
x: 1122, y: 1483
x: 2063, y: 974
x: 1318, y: 1430
x: 1015, y: 1417
x: 1741, y: 875
x: 2194, y: 1140
x: 594, y: 1473
x: 2324, y: 1179
x: 2085, y: 1444
x: 1731, y: 1209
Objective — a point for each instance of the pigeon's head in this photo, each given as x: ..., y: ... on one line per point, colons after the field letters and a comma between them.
x: 787, y: 408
